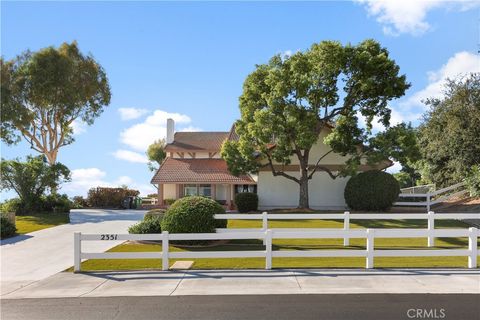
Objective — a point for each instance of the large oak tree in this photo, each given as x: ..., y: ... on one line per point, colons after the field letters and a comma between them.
x: 287, y: 102
x: 44, y: 92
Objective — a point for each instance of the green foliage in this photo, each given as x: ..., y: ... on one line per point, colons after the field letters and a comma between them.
x: 7, y: 227
x: 246, y: 201
x: 79, y: 202
x: 154, y: 214
x: 403, y: 179
x: 287, y: 102
x: 169, y: 201
x: 193, y: 215
x: 12, y: 205
x: 101, y: 197
x: 473, y: 181
x: 156, y: 154
x: 31, y: 179
x: 371, y: 190
x: 150, y: 225
x: 57, y: 203
x: 44, y: 92
x: 450, y: 133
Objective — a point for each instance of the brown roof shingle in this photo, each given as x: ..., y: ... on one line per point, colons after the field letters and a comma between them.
x: 197, y: 141
x: 197, y: 171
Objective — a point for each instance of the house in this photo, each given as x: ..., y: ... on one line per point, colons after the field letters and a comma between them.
x: 193, y: 166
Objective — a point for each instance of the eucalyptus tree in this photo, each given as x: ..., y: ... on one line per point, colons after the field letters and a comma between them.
x: 44, y: 92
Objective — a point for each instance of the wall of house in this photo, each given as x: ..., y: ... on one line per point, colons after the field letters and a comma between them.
x: 169, y: 191
x: 280, y: 192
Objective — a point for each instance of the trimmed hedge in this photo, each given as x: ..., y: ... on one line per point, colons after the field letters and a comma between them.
x: 246, y: 201
x: 371, y: 190
x: 193, y: 215
x: 154, y: 214
x: 7, y: 227
x: 150, y: 225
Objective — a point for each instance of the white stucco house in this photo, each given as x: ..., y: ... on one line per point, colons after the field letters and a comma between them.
x: 193, y: 166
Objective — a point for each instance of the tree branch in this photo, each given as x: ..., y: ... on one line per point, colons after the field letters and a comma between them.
x: 318, y: 162
x: 280, y: 173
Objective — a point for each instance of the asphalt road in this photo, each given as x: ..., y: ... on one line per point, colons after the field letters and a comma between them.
x: 292, y: 307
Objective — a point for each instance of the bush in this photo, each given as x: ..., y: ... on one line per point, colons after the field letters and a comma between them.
x: 7, y: 227
x: 57, y: 203
x: 473, y: 181
x: 150, y: 225
x: 109, y: 197
x: 12, y: 205
x: 193, y: 215
x: 154, y: 214
x: 246, y: 201
x: 371, y: 190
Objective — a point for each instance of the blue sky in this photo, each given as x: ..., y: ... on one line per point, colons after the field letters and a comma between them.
x: 189, y: 59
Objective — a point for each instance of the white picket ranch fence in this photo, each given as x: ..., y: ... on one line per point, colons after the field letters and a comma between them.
x: 268, y: 235
x: 431, y: 197
x: 346, y: 217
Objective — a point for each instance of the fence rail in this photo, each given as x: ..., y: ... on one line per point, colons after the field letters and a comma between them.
x: 429, y: 197
x: 369, y: 253
x: 346, y: 217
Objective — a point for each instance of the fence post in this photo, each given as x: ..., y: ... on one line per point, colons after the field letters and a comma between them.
x: 431, y: 228
x: 370, y: 248
x: 346, y: 228
x: 165, y: 245
x: 77, y: 251
x: 264, y: 223
x: 472, y: 247
x: 428, y: 201
x: 268, y: 249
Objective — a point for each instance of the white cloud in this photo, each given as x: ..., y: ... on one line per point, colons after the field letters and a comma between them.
x: 190, y: 129
x: 78, y: 127
x: 130, y: 156
x: 131, y: 113
x: 86, y: 178
x: 411, y: 108
x: 409, y: 16
x: 460, y: 64
x: 141, y: 135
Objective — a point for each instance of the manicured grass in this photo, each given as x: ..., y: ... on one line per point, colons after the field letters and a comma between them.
x: 303, y: 244
x: 39, y: 221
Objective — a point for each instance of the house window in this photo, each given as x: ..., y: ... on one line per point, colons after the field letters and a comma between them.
x: 246, y: 188
x: 205, y: 190
x: 190, y: 190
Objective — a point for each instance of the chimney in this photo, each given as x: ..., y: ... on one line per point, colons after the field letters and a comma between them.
x: 170, y: 130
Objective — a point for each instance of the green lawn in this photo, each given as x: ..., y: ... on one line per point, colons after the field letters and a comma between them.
x: 302, y: 244
x: 39, y: 221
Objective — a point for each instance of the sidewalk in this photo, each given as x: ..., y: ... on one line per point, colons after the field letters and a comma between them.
x: 251, y: 282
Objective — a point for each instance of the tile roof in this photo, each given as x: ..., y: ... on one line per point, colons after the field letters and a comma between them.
x: 175, y: 170
x: 197, y: 141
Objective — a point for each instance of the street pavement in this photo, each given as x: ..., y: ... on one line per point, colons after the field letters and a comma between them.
x: 266, y: 307
x: 26, y: 259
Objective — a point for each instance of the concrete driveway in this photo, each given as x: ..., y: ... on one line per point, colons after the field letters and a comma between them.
x: 28, y: 258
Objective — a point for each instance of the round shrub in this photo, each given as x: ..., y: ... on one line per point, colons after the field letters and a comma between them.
x: 193, y: 215
x: 7, y: 227
x: 246, y: 201
x: 151, y: 225
x: 371, y: 190
x: 154, y: 214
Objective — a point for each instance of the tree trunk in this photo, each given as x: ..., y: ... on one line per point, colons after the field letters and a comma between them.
x: 303, y: 201
x: 303, y: 197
